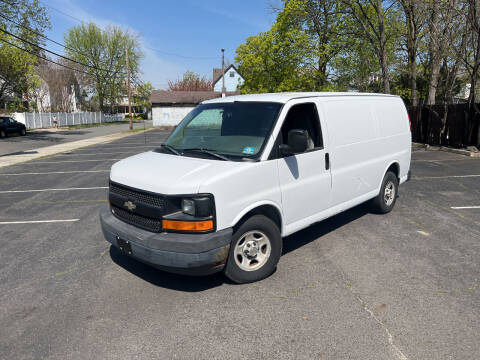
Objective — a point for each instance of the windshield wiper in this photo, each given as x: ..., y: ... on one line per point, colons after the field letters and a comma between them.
x: 209, y: 152
x: 171, y: 149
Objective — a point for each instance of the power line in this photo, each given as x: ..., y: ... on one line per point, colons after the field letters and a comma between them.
x: 53, y: 53
x: 40, y: 34
x: 53, y: 41
x: 182, y: 56
x: 42, y: 57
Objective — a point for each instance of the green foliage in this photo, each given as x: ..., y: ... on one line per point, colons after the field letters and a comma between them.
x: 104, y: 52
x: 17, y: 76
x: 142, y: 96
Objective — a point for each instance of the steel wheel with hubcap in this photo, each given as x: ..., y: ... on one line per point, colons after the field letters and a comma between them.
x: 387, y: 197
x: 252, y: 250
x: 255, y: 250
x: 389, y: 193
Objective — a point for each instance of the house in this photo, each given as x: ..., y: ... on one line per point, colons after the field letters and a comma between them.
x: 233, y: 79
x: 170, y: 107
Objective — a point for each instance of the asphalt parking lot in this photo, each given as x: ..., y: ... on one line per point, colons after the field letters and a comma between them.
x: 357, y: 286
x: 36, y: 139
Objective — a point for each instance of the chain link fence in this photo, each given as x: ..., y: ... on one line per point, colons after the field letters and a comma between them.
x: 45, y: 120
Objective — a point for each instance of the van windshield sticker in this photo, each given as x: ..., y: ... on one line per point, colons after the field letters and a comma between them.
x: 249, y: 150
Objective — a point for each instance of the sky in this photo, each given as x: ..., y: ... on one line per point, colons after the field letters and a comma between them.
x: 176, y: 35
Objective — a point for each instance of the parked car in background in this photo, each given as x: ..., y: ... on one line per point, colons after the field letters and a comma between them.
x: 10, y: 126
x: 240, y: 173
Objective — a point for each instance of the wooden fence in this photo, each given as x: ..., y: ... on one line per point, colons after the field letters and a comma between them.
x: 446, y: 125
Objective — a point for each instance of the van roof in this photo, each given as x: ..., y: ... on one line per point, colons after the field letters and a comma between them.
x: 287, y: 96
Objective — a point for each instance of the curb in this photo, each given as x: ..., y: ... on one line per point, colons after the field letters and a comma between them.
x: 61, y: 148
x: 447, y: 149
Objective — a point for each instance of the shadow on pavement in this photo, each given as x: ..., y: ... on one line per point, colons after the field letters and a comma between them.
x: 313, y: 232
x: 165, y: 279
x: 194, y: 284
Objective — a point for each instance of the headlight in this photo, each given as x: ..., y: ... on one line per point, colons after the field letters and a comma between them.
x: 188, y: 206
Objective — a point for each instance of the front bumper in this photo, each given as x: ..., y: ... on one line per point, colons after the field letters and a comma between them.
x: 192, y: 254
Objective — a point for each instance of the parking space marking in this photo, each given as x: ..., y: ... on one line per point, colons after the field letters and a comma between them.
x: 125, y: 147
x: 465, y: 207
x: 69, y: 202
x: 67, y: 161
x: 444, y: 177
x: 44, y: 190
x: 56, y: 172
x: 96, y: 153
x: 445, y: 160
x: 37, y: 221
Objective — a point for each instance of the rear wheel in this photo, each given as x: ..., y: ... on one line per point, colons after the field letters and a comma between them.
x: 385, y: 201
x: 23, y: 132
x: 255, y: 250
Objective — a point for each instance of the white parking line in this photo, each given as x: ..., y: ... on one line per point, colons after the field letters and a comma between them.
x: 465, y: 207
x: 43, y: 190
x: 444, y: 177
x: 56, y: 172
x: 96, y: 153
x: 124, y: 147
x: 37, y: 221
x: 66, y: 161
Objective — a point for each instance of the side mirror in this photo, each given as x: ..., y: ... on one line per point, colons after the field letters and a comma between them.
x: 297, y: 142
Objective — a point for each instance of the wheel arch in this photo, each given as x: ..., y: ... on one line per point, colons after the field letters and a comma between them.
x: 267, y: 208
x: 394, y: 166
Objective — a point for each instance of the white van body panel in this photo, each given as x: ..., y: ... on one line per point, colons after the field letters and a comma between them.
x: 363, y: 135
x: 242, y: 189
x: 367, y: 135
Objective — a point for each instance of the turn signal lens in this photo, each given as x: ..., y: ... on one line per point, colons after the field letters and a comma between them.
x: 187, y: 225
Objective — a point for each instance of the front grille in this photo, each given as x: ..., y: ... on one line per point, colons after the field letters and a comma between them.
x: 138, y: 196
x: 146, y: 223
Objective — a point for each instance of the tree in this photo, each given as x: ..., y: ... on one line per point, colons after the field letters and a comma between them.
x: 104, y: 53
x: 379, y: 24
x: 439, y: 21
x: 322, y: 22
x: 414, y: 21
x: 142, y: 95
x: 191, y: 82
x: 17, y: 76
x: 275, y: 60
x: 61, y: 83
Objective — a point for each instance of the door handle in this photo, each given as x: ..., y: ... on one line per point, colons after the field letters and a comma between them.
x: 327, y: 161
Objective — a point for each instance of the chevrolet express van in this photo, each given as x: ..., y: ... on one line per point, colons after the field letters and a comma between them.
x: 240, y: 173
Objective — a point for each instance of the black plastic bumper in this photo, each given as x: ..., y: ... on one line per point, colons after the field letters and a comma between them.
x: 192, y: 254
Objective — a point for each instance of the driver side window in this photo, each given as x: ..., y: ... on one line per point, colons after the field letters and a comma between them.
x: 302, y: 117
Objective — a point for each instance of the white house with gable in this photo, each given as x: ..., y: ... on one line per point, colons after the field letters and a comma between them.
x: 233, y: 79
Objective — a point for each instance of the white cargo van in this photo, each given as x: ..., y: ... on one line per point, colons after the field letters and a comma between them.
x: 239, y: 173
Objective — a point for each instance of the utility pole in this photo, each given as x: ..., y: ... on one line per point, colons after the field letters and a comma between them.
x: 128, y: 90
x: 223, y: 73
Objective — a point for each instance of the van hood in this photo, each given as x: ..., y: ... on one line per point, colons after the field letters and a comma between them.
x: 169, y: 174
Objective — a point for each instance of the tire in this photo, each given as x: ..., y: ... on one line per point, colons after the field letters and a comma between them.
x: 385, y: 200
x: 258, y: 235
x: 23, y: 132
x: 3, y: 134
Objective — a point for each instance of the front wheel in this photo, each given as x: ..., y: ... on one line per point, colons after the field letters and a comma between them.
x: 23, y: 132
x: 3, y: 134
x: 385, y: 200
x: 255, y: 250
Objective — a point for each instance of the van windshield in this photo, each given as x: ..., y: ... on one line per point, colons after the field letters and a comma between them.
x: 230, y: 129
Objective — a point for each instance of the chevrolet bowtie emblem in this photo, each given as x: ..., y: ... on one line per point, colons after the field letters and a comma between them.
x: 130, y: 205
